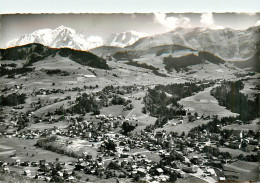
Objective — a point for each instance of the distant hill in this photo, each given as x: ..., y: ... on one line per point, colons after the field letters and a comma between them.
x: 159, y: 50
x: 105, y: 50
x: 253, y: 62
x: 210, y: 57
x: 35, y: 52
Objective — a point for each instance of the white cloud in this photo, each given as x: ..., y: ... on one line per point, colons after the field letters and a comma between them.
x: 257, y: 23
x: 171, y: 22
x: 207, y: 19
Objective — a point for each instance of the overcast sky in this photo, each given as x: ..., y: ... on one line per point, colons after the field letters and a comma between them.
x: 127, y: 6
x: 13, y: 26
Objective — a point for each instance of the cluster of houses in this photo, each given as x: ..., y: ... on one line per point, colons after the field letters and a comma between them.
x: 47, y: 171
x: 149, y: 155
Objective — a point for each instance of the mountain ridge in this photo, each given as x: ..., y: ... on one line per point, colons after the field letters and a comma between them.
x: 226, y: 43
x: 34, y: 52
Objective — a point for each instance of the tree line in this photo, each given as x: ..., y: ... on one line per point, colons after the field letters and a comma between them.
x: 178, y: 63
x: 13, y: 99
x: 229, y: 95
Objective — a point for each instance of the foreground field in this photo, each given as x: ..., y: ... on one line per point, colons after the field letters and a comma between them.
x: 184, y: 127
x: 254, y: 126
x: 242, y: 171
x: 12, y: 149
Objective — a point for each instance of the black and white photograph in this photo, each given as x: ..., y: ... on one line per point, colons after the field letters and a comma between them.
x: 129, y: 91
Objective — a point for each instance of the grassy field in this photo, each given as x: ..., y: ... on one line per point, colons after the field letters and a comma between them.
x: 254, y: 126
x: 234, y: 152
x: 190, y: 179
x: 26, y: 151
x: 184, y: 127
x: 115, y: 110
x: 244, y: 171
x: 16, y: 178
x: 47, y: 125
x: 204, y: 103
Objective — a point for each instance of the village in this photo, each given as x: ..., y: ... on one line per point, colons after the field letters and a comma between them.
x: 147, y: 156
x: 62, y: 121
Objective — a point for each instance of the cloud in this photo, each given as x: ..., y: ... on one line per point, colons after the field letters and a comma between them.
x: 207, y: 19
x: 171, y: 22
x: 257, y: 23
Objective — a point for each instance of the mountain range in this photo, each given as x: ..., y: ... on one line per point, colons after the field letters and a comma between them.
x: 226, y: 43
x: 58, y: 38
x: 67, y: 37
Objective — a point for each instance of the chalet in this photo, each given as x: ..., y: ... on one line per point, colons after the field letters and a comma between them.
x: 159, y: 171
x: 17, y: 162
x: 141, y: 171
x: 211, y: 172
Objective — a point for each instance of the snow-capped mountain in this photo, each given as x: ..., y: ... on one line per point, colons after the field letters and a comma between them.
x: 67, y: 37
x: 124, y: 38
x: 59, y: 37
x: 226, y: 43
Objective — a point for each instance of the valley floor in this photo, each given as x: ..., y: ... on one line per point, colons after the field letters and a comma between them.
x: 95, y: 147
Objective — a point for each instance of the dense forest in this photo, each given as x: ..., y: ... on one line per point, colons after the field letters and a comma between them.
x: 13, y: 99
x: 57, y: 72
x: 229, y: 95
x: 85, y: 104
x: 13, y: 71
x: 179, y: 63
x: 204, y: 55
